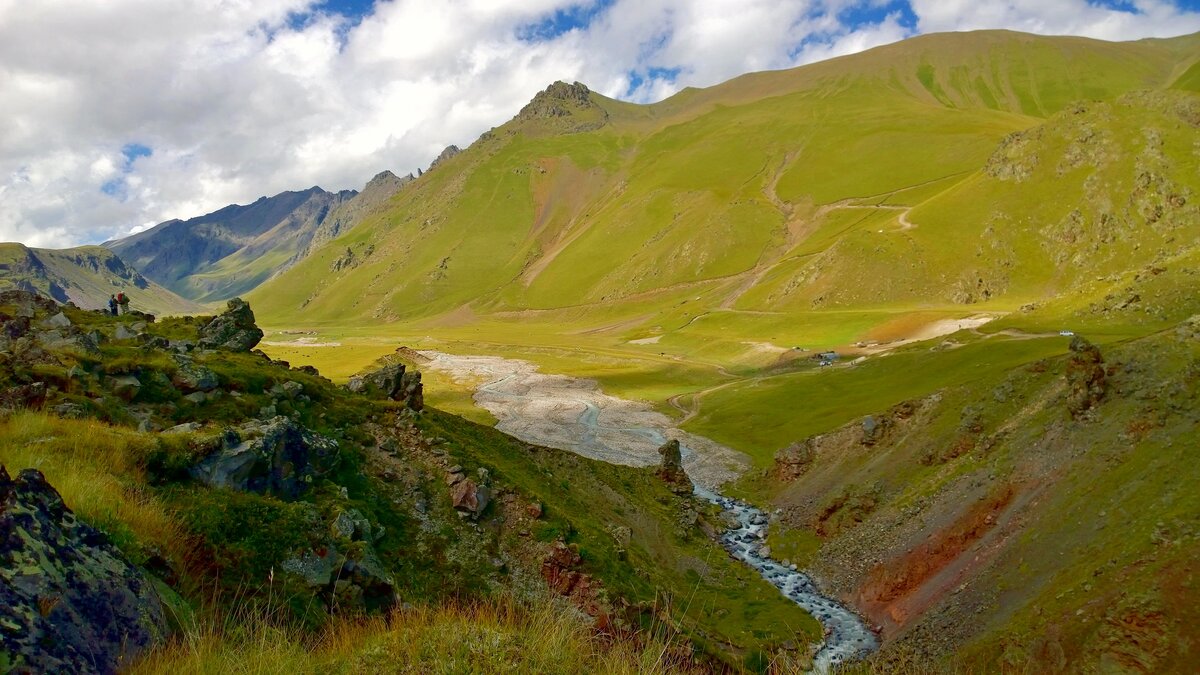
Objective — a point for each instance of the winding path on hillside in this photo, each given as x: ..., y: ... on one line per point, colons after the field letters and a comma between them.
x: 573, y: 414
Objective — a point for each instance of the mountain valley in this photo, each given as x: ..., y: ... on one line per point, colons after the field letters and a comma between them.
x: 921, y: 324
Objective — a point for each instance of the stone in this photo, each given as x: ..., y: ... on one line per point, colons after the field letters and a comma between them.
x: 391, y: 382
x: 190, y: 377
x: 233, y: 330
x: 196, y: 397
x: 277, y: 457
x: 59, y: 320
x: 353, y: 525
x: 534, y: 510
x: 470, y: 498
x: 125, y: 386
x: 69, y: 600
x: 345, y: 582
x: 873, y: 429
x: 292, y: 389
x: 795, y: 460
x: 25, y: 396
x: 670, y: 468
x: 185, y: 428
x: 1086, y: 377
x: 123, y: 332
x: 559, y: 568
x: 71, y: 411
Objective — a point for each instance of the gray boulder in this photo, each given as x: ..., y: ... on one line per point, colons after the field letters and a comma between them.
x: 190, y: 377
x: 125, y: 386
x: 391, y: 382
x: 277, y: 457
x: 70, y: 602
x: 59, y: 320
x: 233, y: 330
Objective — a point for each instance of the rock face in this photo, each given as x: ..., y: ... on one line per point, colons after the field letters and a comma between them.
x: 450, y: 151
x: 69, y: 601
x: 276, y: 457
x: 392, y: 382
x: 234, y: 330
x: 794, y: 460
x: 670, y: 469
x: 1086, y: 384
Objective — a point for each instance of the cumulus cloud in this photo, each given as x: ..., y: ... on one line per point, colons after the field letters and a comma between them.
x: 124, y: 113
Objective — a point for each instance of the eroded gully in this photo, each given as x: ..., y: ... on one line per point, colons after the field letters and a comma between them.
x: 573, y: 414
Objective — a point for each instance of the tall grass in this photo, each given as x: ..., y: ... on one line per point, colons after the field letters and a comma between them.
x: 98, y: 469
x: 497, y: 636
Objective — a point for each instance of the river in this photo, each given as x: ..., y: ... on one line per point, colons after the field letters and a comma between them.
x: 573, y: 414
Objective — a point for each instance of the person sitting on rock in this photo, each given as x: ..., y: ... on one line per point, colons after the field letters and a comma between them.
x: 123, y: 301
x: 112, y: 305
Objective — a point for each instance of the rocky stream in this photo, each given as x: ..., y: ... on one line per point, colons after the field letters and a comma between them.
x: 573, y: 414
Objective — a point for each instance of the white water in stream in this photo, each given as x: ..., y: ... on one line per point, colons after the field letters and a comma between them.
x: 573, y: 414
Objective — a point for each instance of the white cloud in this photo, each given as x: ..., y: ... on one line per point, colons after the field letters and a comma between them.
x: 1154, y: 18
x: 238, y: 100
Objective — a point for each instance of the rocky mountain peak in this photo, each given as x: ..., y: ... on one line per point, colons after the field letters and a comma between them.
x: 566, y: 108
x: 558, y: 100
x: 450, y: 151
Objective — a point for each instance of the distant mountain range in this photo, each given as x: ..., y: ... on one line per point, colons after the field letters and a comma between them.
x: 231, y: 251
x: 86, y: 276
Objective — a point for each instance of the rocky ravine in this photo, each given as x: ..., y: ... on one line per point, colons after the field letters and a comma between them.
x: 573, y: 414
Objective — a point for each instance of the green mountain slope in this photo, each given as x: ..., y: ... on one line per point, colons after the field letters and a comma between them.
x: 86, y: 276
x: 729, y: 191
x: 232, y: 250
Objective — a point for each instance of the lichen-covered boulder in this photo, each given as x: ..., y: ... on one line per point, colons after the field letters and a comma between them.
x: 191, y: 377
x: 277, y: 457
x: 345, y: 571
x: 69, y: 601
x: 234, y: 330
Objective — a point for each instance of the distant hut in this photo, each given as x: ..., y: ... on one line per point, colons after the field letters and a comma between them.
x: 825, y: 358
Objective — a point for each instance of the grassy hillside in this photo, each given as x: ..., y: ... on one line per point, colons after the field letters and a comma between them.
x: 738, y: 185
x: 89, y: 412
x: 86, y: 276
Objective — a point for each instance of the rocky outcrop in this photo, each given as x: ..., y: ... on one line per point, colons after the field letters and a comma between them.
x: 874, y: 428
x: 277, y: 457
x: 670, y: 468
x: 450, y: 151
x: 345, y: 572
x: 1086, y: 385
x: 566, y: 108
x: 391, y: 381
x: 69, y: 601
x: 191, y: 377
x: 234, y: 330
x: 795, y: 460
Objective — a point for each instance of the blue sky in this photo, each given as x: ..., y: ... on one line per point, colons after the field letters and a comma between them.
x: 113, y: 125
